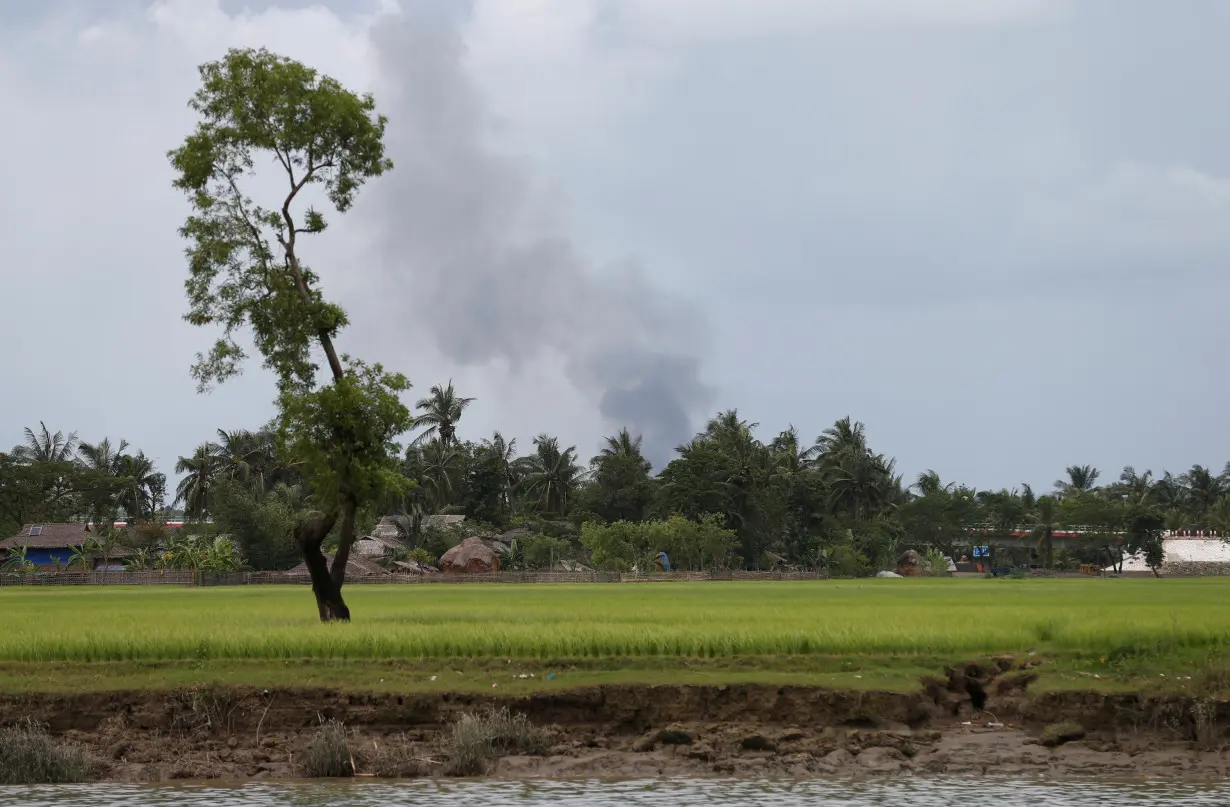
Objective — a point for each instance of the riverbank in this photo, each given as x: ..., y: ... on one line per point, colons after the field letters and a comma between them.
x: 744, y: 730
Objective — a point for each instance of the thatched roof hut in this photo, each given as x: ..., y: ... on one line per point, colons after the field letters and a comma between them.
x: 355, y: 567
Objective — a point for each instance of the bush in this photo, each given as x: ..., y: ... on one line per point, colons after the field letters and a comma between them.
x: 395, y: 759
x: 479, y: 739
x: 935, y: 564
x: 328, y: 755
x: 845, y: 562
x: 28, y: 756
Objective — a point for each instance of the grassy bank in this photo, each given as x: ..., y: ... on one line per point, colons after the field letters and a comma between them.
x: 840, y: 633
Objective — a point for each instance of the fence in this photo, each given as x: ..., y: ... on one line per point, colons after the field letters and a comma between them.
x: 179, y: 577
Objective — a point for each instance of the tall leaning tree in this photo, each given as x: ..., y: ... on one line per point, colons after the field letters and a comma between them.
x: 247, y: 274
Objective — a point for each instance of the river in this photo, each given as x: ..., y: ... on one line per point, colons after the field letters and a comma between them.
x: 906, y: 792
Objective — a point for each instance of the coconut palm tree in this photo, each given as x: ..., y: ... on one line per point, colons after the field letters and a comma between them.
x: 233, y: 451
x: 102, y: 457
x: 441, y: 409
x: 1081, y: 479
x: 1044, y: 519
x: 1204, y: 488
x: 199, y: 471
x: 440, y: 473
x: 928, y: 483
x: 843, y: 436
x: 43, y: 446
x: 143, y: 486
x: 502, y: 454
x: 1132, y: 488
x: 621, y: 445
x: 262, y: 458
x: 552, y: 474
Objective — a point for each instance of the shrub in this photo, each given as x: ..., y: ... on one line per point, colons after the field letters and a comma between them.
x: 935, y: 564
x: 478, y: 739
x: 328, y: 755
x: 28, y: 755
x: 845, y: 562
x: 394, y: 758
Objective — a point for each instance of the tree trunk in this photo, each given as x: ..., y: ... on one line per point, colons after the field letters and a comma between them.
x: 345, y: 542
x: 329, y: 600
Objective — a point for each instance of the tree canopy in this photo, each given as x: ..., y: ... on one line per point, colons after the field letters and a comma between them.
x: 258, y: 110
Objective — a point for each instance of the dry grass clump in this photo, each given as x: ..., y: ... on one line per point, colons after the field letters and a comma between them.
x: 329, y: 753
x: 479, y: 739
x: 29, y: 755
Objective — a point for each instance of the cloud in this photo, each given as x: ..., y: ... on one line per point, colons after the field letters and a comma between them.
x: 995, y: 231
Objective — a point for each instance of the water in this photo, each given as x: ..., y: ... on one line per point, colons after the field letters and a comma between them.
x: 680, y: 793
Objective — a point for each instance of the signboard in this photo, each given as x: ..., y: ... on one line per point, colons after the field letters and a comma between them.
x: 982, y: 551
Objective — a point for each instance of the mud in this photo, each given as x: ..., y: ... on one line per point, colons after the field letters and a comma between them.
x: 977, y: 719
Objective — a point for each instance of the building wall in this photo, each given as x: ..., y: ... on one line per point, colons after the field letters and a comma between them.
x: 47, y: 557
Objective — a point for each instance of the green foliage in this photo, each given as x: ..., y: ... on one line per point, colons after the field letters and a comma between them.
x: 342, y: 434
x: 422, y: 557
x: 261, y: 524
x: 612, y: 547
x: 703, y: 544
x: 844, y: 561
x: 935, y: 563
x: 542, y: 551
x: 200, y: 553
x: 254, y: 104
x: 620, y: 488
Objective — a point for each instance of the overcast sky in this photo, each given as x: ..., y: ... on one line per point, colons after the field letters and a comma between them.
x: 995, y: 232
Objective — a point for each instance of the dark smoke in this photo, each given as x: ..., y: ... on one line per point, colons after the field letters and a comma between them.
x: 460, y: 224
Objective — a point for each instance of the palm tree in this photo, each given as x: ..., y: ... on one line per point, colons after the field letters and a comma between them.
x: 143, y: 485
x: 43, y: 446
x: 553, y: 474
x: 1081, y: 479
x: 843, y: 436
x: 863, y: 485
x: 1132, y: 488
x: 928, y: 483
x: 621, y: 445
x: 194, y: 489
x: 441, y: 410
x: 440, y: 472
x: 503, y: 456
x: 262, y: 458
x: 233, y: 451
x: 1044, y: 520
x: 102, y: 457
x: 1203, y: 490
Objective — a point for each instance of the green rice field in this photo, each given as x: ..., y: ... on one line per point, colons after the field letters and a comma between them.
x: 1110, y: 619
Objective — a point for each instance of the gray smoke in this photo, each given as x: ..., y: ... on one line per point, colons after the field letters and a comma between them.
x: 461, y: 225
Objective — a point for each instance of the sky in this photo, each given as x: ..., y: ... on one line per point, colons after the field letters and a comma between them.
x: 996, y: 233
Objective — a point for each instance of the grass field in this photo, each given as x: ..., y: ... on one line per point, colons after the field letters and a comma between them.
x: 469, y: 635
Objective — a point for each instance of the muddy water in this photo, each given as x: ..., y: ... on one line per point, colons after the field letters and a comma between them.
x: 902, y: 793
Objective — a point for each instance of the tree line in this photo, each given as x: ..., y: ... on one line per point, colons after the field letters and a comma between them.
x: 727, y: 498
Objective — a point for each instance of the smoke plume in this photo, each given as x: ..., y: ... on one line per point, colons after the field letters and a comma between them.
x: 461, y: 225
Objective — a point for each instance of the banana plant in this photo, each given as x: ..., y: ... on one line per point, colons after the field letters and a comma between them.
x: 17, y: 560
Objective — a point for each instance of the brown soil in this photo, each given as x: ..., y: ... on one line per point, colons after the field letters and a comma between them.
x: 977, y: 719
